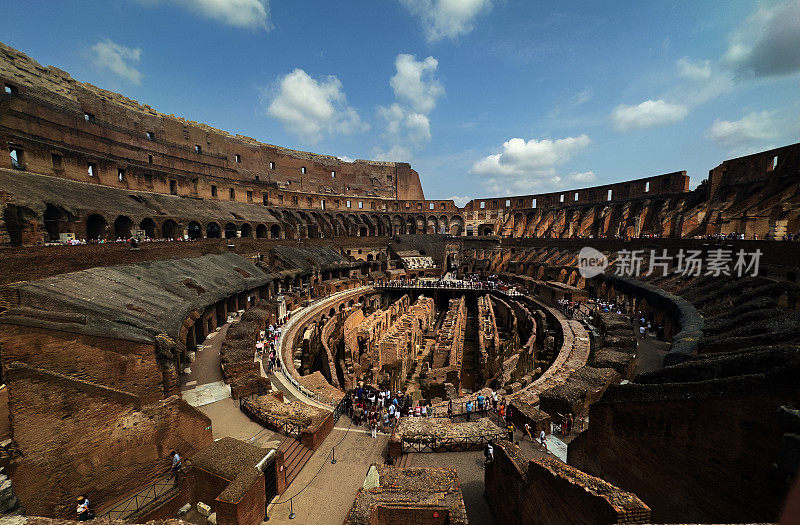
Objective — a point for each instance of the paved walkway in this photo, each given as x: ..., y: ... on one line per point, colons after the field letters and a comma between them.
x: 205, y: 385
x: 650, y: 354
x: 206, y: 390
x: 469, y: 466
x: 325, y: 492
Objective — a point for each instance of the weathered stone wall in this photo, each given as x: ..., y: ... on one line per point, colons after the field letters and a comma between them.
x: 542, y: 490
x: 120, y: 128
x: 392, y: 495
x: 700, y: 452
x: 114, y: 445
x: 124, y: 365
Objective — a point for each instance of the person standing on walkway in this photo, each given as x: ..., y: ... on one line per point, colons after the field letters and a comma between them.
x: 511, y: 432
x: 373, y: 424
x: 543, y: 440
x: 481, y: 401
x: 469, y: 408
x: 527, y: 429
x: 494, y: 399
x: 450, y: 409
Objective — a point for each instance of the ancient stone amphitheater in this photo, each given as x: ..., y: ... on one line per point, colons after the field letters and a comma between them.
x: 170, y: 287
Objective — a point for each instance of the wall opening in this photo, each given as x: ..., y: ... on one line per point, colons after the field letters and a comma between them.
x: 212, y: 230
x: 95, y: 226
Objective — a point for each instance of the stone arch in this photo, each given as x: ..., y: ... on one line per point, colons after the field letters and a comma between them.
x: 421, y: 225
x: 411, y: 225
x: 123, y: 225
x: 247, y: 230
x: 376, y: 221
x: 230, y: 231
x: 213, y: 230
x: 262, y: 232
x: 96, y: 226
x: 148, y: 225
x: 170, y: 230
x: 55, y: 221
x: 195, y: 230
x: 291, y: 229
x: 456, y: 225
x: 275, y: 231
x: 398, y: 225
x: 341, y: 224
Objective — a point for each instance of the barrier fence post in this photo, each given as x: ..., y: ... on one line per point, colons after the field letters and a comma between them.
x: 291, y: 509
x: 333, y: 453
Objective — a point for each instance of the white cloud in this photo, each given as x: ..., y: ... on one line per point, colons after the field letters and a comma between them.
x: 345, y: 158
x: 582, y: 178
x: 754, y: 128
x: 396, y: 153
x: 648, y: 114
x: 119, y: 59
x: 414, y: 83
x: 313, y: 108
x: 767, y: 42
x: 247, y: 14
x: 694, y: 70
x: 404, y: 125
x: 460, y: 201
x: 531, y: 162
x: 416, y: 91
x: 584, y: 96
x: 442, y: 19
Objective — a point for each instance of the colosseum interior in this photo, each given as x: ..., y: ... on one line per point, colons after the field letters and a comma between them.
x: 171, y: 287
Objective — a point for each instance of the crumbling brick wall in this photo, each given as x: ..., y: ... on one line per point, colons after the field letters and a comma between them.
x: 114, y: 445
x: 116, y: 363
x: 542, y: 490
x: 701, y: 452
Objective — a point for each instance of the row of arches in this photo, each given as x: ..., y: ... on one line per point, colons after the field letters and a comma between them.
x: 292, y: 224
x: 606, y: 220
x: 97, y: 227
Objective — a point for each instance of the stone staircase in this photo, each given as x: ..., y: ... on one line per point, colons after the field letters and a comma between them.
x: 295, y: 457
x: 404, y: 461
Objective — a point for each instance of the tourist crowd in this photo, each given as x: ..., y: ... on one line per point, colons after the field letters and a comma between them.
x: 267, y: 343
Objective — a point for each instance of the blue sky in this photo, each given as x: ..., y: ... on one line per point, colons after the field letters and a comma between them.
x: 483, y: 97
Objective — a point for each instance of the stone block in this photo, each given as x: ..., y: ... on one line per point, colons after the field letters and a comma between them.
x: 203, y: 509
x: 8, y: 505
x: 185, y: 509
x: 212, y: 519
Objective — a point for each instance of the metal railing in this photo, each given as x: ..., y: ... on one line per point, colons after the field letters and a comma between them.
x: 251, y: 410
x: 314, y: 396
x: 488, y: 411
x: 455, y: 444
x: 132, y: 505
x: 445, y: 285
